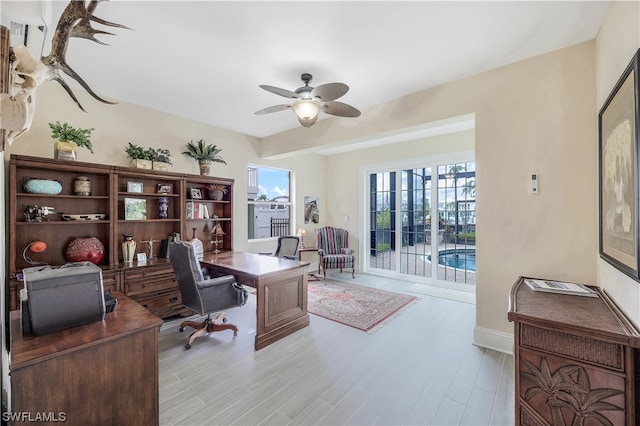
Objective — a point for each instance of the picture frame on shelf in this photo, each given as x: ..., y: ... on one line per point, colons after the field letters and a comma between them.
x: 135, y: 209
x: 195, y: 194
x: 165, y: 188
x: 135, y: 187
x: 619, y: 145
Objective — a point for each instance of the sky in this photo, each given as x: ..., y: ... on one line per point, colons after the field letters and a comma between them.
x: 273, y: 182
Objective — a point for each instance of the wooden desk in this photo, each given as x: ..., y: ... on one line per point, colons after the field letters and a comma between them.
x: 101, y: 373
x: 281, y: 286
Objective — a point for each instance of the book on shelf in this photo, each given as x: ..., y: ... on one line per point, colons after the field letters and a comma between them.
x: 560, y: 287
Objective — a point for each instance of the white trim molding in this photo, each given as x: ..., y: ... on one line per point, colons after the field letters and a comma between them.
x: 492, y: 339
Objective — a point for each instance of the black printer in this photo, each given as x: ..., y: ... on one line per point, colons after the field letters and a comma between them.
x: 54, y: 299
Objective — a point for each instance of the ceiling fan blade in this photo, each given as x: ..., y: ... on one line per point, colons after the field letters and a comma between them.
x: 274, y: 108
x: 279, y: 91
x: 330, y: 91
x: 340, y: 109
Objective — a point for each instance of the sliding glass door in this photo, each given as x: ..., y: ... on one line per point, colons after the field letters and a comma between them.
x: 422, y: 221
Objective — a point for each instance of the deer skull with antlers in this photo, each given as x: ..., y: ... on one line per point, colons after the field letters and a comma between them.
x: 28, y: 73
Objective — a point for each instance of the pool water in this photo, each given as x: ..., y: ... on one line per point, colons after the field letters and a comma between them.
x: 458, y: 258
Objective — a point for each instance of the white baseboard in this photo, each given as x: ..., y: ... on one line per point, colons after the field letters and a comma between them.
x: 492, y: 339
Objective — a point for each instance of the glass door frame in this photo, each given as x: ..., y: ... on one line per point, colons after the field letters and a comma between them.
x: 398, y: 166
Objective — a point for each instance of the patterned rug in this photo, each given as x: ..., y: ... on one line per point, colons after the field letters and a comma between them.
x: 361, y: 307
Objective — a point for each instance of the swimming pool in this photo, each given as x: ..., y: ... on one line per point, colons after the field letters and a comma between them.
x: 457, y: 258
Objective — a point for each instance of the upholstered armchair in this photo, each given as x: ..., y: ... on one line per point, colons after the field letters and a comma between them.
x: 204, y: 294
x: 334, y: 251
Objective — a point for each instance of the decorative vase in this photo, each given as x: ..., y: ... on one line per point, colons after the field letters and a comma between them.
x: 82, y: 185
x: 128, y: 248
x: 42, y: 186
x: 163, y: 207
x: 63, y: 150
x: 205, y: 168
x: 88, y: 249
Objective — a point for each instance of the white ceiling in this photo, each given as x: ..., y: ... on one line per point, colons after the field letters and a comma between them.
x: 204, y: 60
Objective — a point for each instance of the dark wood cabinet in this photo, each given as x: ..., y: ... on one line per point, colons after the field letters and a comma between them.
x: 577, y: 359
x: 103, y: 373
x: 39, y: 216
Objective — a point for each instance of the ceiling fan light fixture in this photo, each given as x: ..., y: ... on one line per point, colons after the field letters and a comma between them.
x: 308, y: 122
x: 307, y: 111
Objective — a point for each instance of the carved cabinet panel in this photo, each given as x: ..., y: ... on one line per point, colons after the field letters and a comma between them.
x: 576, y: 360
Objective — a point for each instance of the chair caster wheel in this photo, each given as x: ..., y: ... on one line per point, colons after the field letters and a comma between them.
x: 181, y: 329
x: 187, y: 346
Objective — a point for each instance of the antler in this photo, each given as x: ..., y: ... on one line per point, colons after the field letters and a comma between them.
x: 75, y: 21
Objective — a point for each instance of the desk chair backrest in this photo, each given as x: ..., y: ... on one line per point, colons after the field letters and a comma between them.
x: 287, y: 247
x: 188, y: 273
x: 202, y: 294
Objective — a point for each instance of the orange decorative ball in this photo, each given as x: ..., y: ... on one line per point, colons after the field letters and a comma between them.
x: 38, y: 247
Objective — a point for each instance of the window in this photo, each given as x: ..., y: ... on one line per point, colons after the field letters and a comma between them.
x: 268, y: 202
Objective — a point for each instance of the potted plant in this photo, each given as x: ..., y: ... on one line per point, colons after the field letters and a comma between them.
x: 216, y: 191
x: 161, y: 159
x: 140, y: 157
x: 204, y: 155
x: 68, y: 138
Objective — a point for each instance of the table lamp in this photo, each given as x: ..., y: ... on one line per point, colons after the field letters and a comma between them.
x: 301, y: 233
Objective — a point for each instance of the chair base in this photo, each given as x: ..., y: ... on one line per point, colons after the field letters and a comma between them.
x: 353, y: 272
x: 207, y: 326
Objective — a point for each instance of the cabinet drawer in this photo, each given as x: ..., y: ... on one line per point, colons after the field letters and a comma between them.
x: 147, y: 273
x: 109, y: 281
x: 151, y: 285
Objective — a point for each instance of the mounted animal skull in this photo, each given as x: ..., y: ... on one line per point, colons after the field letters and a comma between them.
x: 27, y: 73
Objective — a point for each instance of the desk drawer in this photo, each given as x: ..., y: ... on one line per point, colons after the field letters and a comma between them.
x: 243, y: 280
x: 161, y: 304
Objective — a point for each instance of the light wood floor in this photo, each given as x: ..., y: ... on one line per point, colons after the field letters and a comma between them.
x: 420, y: 368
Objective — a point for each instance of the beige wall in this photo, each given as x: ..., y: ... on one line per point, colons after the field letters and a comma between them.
x: 617, y: 42
x: 115, y: 125
x: 533, y: 116
x: 346, y: 200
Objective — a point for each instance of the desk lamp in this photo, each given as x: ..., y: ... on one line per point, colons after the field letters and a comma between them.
x: 34, y: 247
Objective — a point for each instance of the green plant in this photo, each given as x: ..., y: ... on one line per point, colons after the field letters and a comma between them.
x: 203, y: 153
x: 136, y: 152
x: 161, y: 155
x: 66, y: 133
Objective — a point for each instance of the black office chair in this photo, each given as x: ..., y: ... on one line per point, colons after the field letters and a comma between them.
x: 204, y: 296
x: 287, y: 247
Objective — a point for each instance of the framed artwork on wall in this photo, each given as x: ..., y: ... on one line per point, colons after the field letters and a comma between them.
x: 618, y: 123
x: 311, y: 209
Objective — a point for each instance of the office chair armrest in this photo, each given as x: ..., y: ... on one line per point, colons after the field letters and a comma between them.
x: 225, y: 279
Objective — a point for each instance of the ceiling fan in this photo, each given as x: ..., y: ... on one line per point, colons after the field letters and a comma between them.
x: 311, y: 100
